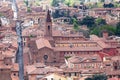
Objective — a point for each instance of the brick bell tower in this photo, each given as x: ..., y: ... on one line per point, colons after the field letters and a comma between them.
x: 48, y: 27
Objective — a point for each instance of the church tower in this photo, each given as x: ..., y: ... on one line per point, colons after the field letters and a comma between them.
x: 15, y: 9
x: 48, y: 27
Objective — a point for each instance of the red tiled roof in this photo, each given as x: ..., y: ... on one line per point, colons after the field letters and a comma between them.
x: 114, y: 78
x: 85, y: 58
x: 15, y: 67
x: 112, y: 72
x: 99, y: 41
x: 38, y: 69
x: 43, y: 43
x: 102, y: 55
x: 102, y: 9
x: 77, y: 48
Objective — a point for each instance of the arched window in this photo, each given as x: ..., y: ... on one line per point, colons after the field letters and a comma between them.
x: 38, y: 20
x: 48, y: 27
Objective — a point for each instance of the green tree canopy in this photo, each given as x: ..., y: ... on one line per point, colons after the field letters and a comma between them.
x: 97, y: 77
x: 69, y: 2
x: 88, y: 78
x: 100, y: 21
x: 26, y: 2
x: 55, y: 3
x: 118, y: 29
x: 76, y: 26
x: 110, y: 5
x: 75, y: 23
x: 89, y: 21
x: 98, y: 30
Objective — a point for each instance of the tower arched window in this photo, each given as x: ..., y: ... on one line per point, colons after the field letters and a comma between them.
x: 48, y: 27
x: 39, y: 20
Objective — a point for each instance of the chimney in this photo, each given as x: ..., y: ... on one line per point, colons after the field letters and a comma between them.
x: 105, y: 34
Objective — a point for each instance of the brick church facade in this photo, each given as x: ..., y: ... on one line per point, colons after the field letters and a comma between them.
x: 57, y: 45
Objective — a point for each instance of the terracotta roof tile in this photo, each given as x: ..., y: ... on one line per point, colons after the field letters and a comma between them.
x: 43, y: 43
x: 87, y: 58
x: 114, y: 78
x: 102, y: 55
x: 33, y: 69
x: 77, y: 49
x: 99, y: 41
x: 30, y: 68
x: 15, y: 67
x: 112, y: 72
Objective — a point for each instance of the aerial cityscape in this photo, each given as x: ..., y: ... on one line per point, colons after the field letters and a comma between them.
x: 59, y: 39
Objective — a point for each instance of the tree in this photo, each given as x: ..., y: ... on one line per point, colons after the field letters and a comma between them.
x: 55, y: 3
x: 97, y: 77
x: 110, y: 5
x: 89, y: 21
x: 28, y: 9
x: 102, y: 0
x: 117, y: 4
x: 62, y: 1
x: 75, y: 23
x: 118, y: 29
x: 37, y: 2
x: 88, y: 78
x: 69, y: 2
x: 100, y: 21
x: 98, y: 30
x: 76, y: 26
x: 26, y: 2
x: 56, y: 14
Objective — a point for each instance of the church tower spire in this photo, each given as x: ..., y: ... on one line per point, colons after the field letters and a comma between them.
x: 15, y: 9
x: 48, y: 19
x: 48, y: 28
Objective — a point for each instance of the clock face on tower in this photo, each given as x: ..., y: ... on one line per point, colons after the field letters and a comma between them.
x: 45, y: 57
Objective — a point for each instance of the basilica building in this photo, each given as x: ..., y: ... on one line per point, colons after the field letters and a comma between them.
x: 52, y: 46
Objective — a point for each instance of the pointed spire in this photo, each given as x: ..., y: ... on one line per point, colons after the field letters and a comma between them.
x: 48, y: 19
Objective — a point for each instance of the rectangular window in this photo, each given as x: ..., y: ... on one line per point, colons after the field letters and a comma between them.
x: 75, y: 74
x: 52, y: 79
x: 69, y: 74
